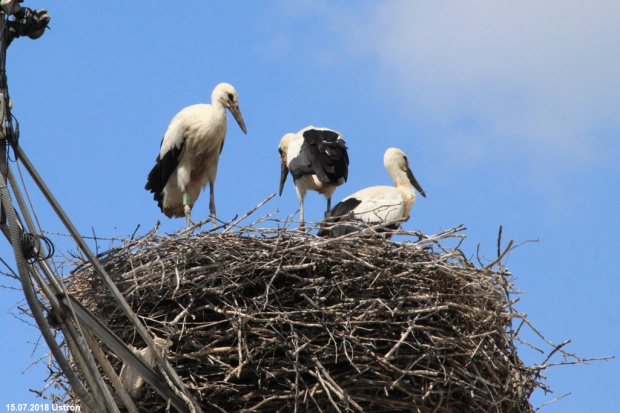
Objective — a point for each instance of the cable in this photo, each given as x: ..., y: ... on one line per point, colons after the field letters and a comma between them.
x: 34, y: 304
x: 31, y: 247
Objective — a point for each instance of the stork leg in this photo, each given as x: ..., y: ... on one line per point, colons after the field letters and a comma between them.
x: 301, y: 194
x: 212, y: 205
x: 187, y: 208
x: 329, y: 207
x: 301, y: 214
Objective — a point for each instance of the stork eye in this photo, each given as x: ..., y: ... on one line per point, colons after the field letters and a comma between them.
x: 230, y: 97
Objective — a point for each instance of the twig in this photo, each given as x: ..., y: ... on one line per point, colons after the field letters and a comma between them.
x: 247, y: 214
x: 552, y: 401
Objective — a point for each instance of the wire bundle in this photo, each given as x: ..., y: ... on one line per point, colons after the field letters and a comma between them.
x: 32, y: 247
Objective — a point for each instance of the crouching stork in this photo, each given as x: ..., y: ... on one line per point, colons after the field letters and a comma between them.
x: 377, y: 204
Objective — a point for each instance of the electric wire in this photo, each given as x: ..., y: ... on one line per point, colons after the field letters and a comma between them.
x: 32, y: 248
x: 34, y: 304
x: 118, y: 346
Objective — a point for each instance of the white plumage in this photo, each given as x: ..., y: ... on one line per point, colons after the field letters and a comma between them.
x: 379, y: 204
x: 317, y: 159
x: 190, y: 152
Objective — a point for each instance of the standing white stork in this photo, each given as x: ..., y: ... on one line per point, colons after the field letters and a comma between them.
x: 378, y: 204
x: 317, y: 159
x: 190, y: 151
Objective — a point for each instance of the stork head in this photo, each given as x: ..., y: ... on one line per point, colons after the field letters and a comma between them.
x: 226, y: 95
x: 397, y: 165
x: 283, y: 151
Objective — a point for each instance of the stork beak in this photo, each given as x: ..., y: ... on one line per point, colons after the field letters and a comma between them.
x: 415, y: 183
x: 283, y: 175
x: 236, y: 112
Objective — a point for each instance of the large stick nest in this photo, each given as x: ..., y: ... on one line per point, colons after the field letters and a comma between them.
x: 279, y: 320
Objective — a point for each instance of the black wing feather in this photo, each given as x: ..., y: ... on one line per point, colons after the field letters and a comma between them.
x: 340, y: 212
x: 341, y: 221
x: 159, y: 175
x: 323, y: 154
x: 344, y: 207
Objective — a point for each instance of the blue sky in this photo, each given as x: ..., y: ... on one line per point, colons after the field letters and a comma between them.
x: 509, y: 113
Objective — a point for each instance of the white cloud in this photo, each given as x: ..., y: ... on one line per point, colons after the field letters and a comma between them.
x: 540, y: 77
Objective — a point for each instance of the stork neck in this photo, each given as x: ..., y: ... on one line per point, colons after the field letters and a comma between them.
x: 409, y: 196
x: 217, y: 105
x: 219, y: 111
x: 400, y: 179
x: 406, y: 189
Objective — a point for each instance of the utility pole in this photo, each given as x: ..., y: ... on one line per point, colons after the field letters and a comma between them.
x: 59, y: 310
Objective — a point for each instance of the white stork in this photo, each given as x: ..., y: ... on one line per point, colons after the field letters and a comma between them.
x: 378, y: 204
x: 190, y: 151
x: 317, y: 159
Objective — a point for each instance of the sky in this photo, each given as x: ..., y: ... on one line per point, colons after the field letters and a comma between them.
x: 509, y: 113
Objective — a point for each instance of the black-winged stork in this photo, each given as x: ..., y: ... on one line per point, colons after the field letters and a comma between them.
x: 190, y: 151
x: 317, y: 159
